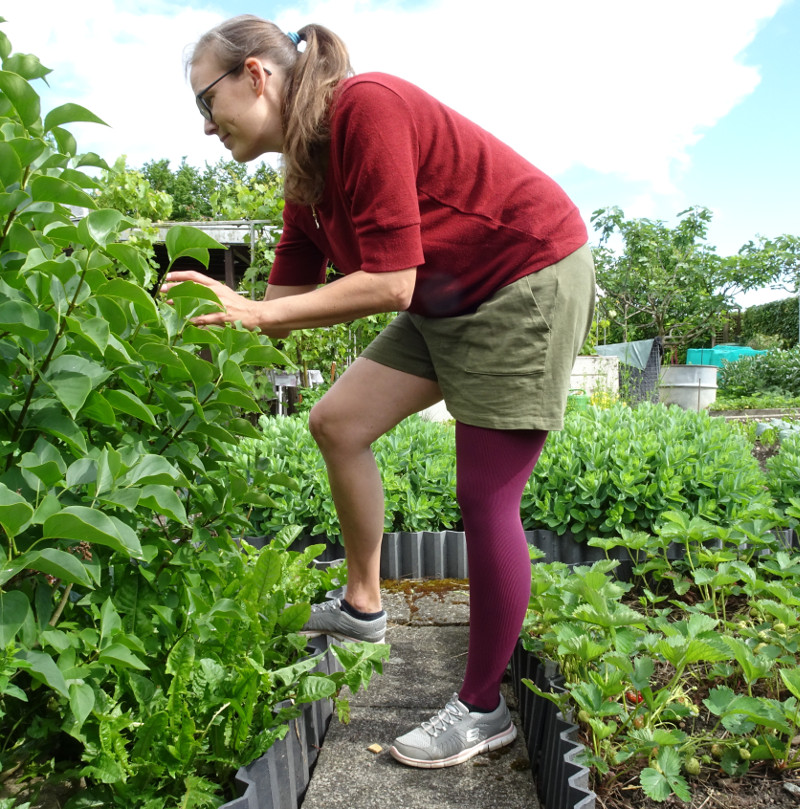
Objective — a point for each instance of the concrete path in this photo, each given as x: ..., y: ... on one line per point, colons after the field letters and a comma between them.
x: 428, y: 629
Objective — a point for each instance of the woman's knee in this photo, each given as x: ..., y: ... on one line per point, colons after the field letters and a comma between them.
x: 321, y: 421
x: 333, y: 428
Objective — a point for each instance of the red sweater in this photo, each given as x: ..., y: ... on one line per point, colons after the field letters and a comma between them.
x: 411, y: 183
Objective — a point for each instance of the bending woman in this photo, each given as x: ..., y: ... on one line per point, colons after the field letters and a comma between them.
x: 485, y: 259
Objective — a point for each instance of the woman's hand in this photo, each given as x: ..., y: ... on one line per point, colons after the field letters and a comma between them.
x: 237, y: 307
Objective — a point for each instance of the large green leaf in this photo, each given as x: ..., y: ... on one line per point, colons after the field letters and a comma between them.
x: 60, y: 564
x: 94, y: 329
x: 27, y: 149
x: 191, y: 242
x: 120, y: 290
x: 163, y: 500
x: 65, y: 141
x: 124, y: 401
x: 10, y: 165
x: 22, y: 96
x: 100, y: 226
x: 18, y: 317
x: 71, y: 390
x: 44, y: 463
x: 69, y: 113
x: 264, y: 355
x: 5, y: 45
x: 314, y: 687
x: 54, y: 189
x: 154, y: 470
x: 99, y: 409
x: 44, y: 669
x: 14, y: 610
x: 266, y: 575
x: 9, y: 202
x: 129, y: 256
x: 118, y: 655
x: 237, y: 398
x: 15, y: 511
x: 244, y: 428
x: 26, y: 65
x: 76, y: 364
x: 161, y: 354
x: 55, y: 423
x: 81, y: 523
x: 81, y: 701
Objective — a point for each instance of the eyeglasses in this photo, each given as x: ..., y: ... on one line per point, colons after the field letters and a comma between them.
x: 202, y: 104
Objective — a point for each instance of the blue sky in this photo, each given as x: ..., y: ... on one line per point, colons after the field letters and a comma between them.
x: 650, y: 106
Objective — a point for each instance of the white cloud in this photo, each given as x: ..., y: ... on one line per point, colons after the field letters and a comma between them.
x: 622, y: 87
x: 125, y: 65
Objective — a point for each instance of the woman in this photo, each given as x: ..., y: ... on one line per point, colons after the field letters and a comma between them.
x: 486, y: 260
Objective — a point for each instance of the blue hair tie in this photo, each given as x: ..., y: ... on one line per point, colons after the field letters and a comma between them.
x: 296, y: 38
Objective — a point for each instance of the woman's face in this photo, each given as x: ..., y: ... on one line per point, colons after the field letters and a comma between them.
x: 245, y: 105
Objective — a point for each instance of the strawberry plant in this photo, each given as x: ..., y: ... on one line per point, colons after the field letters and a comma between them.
x: 688, y: 668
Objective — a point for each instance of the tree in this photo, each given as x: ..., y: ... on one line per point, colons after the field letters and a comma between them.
x: 668, y: 282
x: 780, y: 257
x: 225, y: 190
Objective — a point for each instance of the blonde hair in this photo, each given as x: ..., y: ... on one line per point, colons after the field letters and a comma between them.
x: 312, y: 76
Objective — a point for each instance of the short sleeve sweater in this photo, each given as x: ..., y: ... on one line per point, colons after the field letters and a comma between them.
x: 411, y: 183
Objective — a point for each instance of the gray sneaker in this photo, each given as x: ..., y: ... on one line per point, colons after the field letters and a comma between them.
x: 328, y: 618
x: 455, y: 735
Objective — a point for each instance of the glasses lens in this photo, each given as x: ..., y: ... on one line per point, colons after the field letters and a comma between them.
x: 203, y: 107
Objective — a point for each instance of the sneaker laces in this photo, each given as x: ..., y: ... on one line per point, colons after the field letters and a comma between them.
x: 327, y: 606
x: 448, y: 715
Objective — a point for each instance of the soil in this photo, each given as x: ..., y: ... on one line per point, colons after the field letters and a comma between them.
x: 756, y: 790
x: 761, y: 452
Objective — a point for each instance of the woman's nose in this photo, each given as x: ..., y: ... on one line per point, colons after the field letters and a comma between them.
x: 209, y: 127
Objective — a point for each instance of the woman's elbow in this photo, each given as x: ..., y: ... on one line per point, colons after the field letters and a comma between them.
x: 401, y: 290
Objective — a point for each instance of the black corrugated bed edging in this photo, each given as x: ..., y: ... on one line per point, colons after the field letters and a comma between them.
x: 443, y: 554
x: 561, y: 782
x: 279, y: 778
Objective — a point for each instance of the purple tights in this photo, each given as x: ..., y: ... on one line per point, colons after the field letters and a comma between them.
x: 493, y: 467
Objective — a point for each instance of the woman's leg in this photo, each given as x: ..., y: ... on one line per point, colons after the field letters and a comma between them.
x: 493, y: 467
x: 366, y: 402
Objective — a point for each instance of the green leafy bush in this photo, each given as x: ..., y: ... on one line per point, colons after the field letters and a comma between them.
x: 607, y: 469
x: 783, y: 472
x: 759, y: 401
x: 774, y: 373
x: 777, y: 319
x: 623, y: 467
x: 416, y: 460
x: 140, y: 647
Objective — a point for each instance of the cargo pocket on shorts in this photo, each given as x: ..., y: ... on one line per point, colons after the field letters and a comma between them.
x: 510, y: 333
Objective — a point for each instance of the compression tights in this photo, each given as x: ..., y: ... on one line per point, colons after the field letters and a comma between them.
x: 493, y: 467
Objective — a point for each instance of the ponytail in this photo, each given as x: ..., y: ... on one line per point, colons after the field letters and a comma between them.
x: 306, y: 116
x: 312, y: 76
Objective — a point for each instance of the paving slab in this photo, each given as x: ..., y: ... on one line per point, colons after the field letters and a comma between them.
x: 428, y: 632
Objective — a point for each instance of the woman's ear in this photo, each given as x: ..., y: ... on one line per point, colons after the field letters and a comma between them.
x: 256, y: 74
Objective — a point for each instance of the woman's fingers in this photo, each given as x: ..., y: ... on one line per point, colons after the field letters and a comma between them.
x: 174, y: 278
x: 236, y: 307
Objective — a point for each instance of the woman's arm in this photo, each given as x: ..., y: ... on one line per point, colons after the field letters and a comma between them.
x: 355, y: 295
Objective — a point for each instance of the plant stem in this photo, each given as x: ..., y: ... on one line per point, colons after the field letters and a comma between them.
x: 61, y: 604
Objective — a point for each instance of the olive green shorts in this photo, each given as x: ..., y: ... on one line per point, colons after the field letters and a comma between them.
x: 507, y: 365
